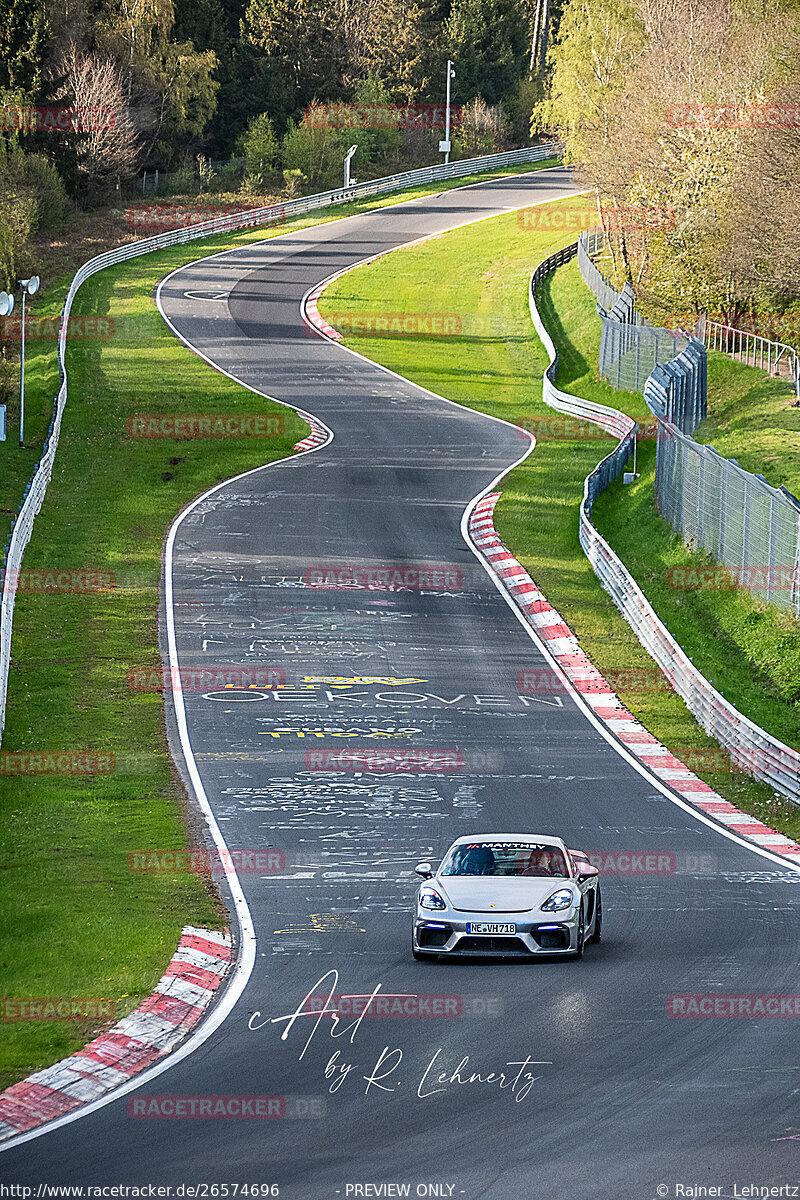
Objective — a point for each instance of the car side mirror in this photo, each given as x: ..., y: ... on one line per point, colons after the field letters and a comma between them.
x: 587, y: 871
x: 424, y: 869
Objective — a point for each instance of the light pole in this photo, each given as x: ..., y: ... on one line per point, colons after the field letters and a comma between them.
x: 347, y: 158
x: 28, y: 287
x: 445, y: 145
x: 6, y: 308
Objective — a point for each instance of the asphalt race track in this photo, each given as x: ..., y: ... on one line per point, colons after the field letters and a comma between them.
x: 623, y: 1097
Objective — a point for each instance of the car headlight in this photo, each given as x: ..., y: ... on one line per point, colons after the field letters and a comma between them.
x: 430, y: 898
x: 559, y: 900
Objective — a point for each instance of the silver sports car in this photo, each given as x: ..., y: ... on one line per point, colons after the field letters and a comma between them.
x: 510, y: 894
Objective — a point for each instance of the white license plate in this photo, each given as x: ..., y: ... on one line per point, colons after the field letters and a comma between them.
x: 484, y: 927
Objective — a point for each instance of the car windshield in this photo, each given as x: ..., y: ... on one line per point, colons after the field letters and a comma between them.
x: 505, y: 858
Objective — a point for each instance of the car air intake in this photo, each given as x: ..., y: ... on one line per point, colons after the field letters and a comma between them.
x: 551, y: 937
x: 434, y: 935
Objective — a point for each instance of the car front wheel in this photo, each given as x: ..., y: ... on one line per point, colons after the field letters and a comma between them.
x: 598, y: 918
x: 581, y: 933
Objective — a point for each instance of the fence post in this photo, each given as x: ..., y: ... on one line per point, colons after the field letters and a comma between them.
x: 771, y: 552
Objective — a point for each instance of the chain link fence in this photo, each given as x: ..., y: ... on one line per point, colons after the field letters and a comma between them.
x: 749, y: 527
x: 629, y: 347
x: 677, y: 391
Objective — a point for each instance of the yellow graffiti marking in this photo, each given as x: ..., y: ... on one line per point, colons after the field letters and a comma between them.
x: 324, y: 923
x: 359, y: 680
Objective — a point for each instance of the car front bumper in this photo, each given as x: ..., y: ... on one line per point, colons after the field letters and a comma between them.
x: 544, y: 935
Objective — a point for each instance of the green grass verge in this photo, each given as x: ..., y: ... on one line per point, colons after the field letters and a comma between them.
x: 753, y: 418
x: 77, y: 922
x: 495, y: 365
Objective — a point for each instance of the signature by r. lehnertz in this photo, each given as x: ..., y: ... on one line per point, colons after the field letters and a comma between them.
x: 516, y: 1076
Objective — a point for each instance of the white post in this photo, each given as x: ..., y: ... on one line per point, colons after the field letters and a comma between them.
x: 450, y: 75
x: 28, y: 287
x: 22, y: 374
x: 347, y: 158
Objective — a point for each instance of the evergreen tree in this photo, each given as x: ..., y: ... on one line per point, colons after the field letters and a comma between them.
x: 23, y: 36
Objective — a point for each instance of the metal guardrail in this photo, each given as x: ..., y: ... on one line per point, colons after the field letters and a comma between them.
x: 269, y: 214
x: 752, y: 749
x: 752, y: 349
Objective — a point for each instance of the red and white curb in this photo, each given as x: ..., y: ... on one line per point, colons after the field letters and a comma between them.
x: 598, y: 693
x: 311, y: 311
x: 318, y: 436
x: 148, y: 1033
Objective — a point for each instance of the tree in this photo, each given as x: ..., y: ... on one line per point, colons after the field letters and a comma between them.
x: 171, y: 84
x: 489, y: 43
x: 481, y: 129
x: 765, y: 252
x: 648, y: 97
x: 371, y: 122
x: 23, y: 38
x: 31, y: 197
x: 315, y: 149
x: 259, y: 146
x: 598, y: 44
x: 328, y: 46
x: 108, y: 150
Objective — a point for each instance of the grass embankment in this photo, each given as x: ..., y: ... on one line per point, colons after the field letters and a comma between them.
x: 753, y: 418
x: 495, y: 365
x: 77, y: 922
